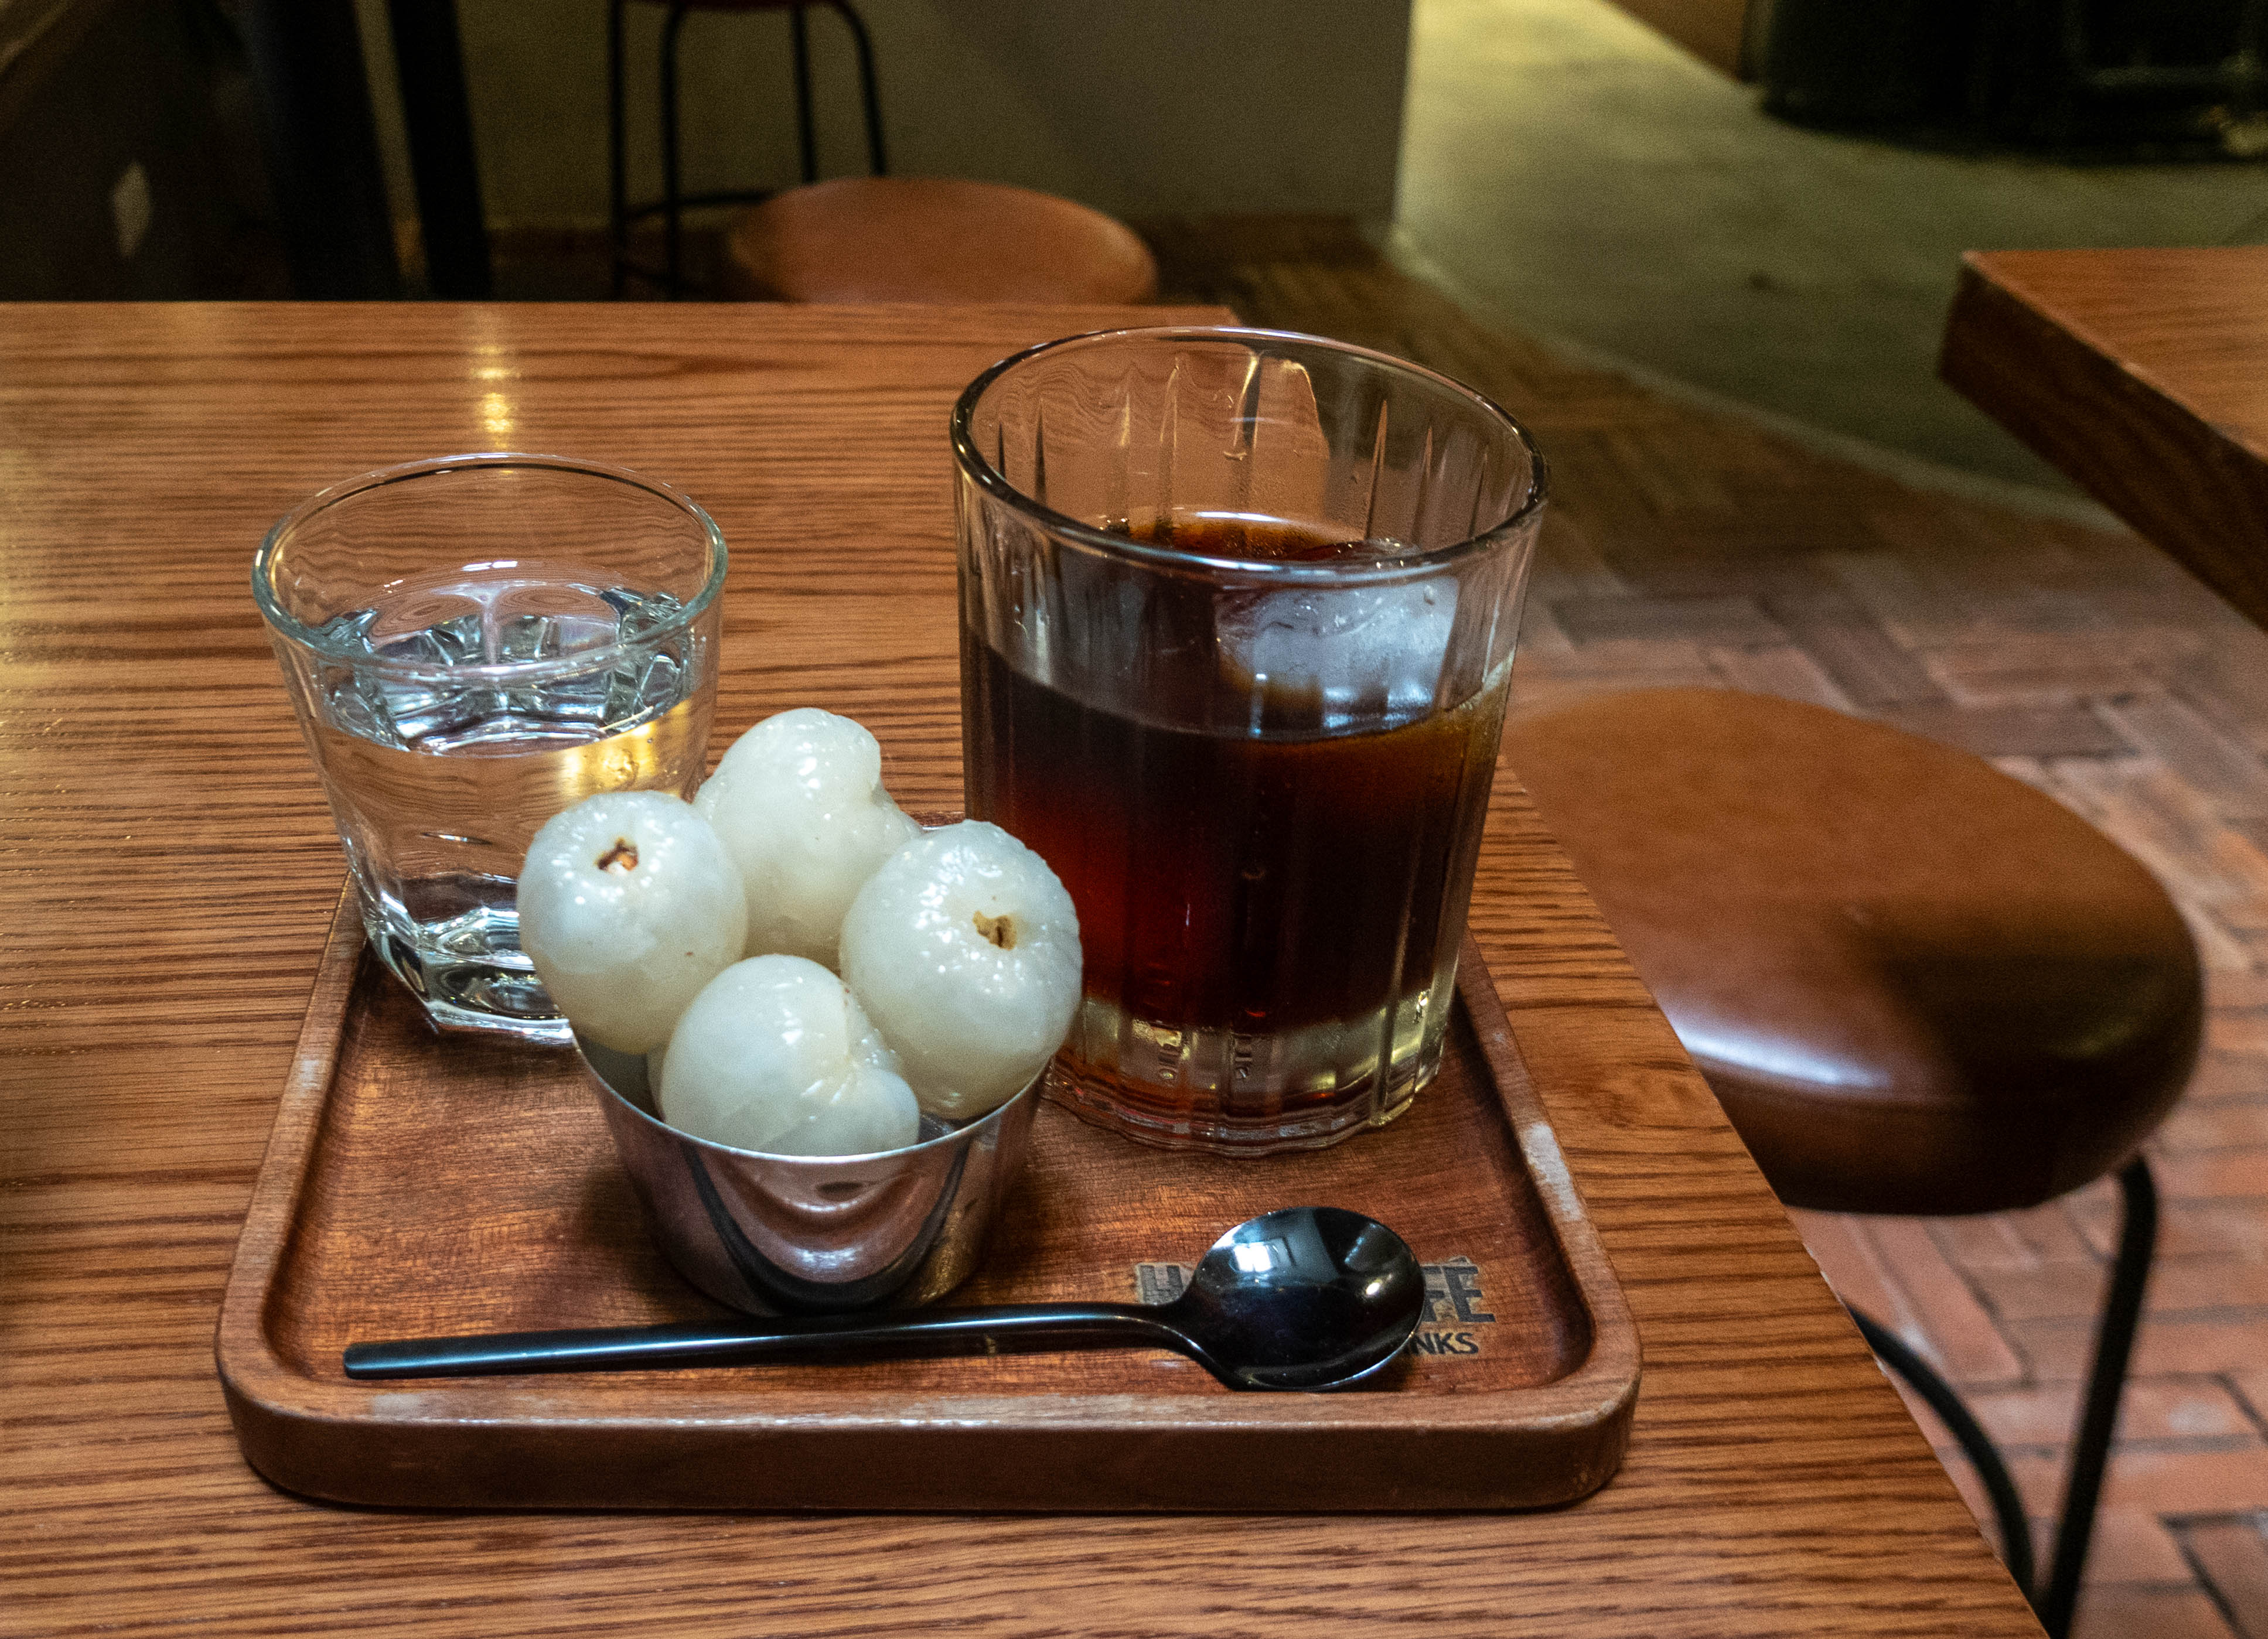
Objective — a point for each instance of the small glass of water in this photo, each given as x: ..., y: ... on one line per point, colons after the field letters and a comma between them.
x: 472, y: 644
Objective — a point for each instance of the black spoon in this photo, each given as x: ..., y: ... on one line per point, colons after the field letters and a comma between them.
x: 1306, y: 1298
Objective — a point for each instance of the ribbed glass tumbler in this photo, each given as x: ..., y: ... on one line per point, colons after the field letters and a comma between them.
x: 1237, y: 617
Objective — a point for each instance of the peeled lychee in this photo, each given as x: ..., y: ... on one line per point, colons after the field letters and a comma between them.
x: 629, y: 905
x: 799, y: 804
x: 777, y: 1056
x: 964, y: 949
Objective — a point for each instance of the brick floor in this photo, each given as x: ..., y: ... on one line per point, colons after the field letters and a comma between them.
x: 1688, y: 548
x: 2132, y: 1547
x: 2130, y: 1611
x: 2232, y: 1554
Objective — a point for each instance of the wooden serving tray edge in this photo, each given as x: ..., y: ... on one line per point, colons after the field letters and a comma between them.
x: 1538, y: 1446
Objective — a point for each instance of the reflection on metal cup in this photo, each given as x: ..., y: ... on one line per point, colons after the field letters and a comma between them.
x: 776, y: 1234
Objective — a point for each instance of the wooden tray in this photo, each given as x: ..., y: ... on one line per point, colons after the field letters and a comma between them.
x: 416, y: 1184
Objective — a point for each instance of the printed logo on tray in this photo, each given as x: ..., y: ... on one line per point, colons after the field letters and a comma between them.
x: 1454, y: 1323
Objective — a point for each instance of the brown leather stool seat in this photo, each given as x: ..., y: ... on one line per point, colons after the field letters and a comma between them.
x: 1917, y: 985
x: 934, y: 239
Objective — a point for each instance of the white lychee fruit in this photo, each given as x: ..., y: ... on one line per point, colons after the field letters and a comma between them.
x: 870, y: 1110
x: 798, y: 800
x: 629, y: 905
x: 777, y: 1056
x: 964, y: 949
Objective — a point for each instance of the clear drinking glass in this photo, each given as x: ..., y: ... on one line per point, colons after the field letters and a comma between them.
x: 1237, y: 614
x: 472, y: 644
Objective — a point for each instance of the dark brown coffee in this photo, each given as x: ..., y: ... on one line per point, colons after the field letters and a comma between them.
x: 1270, y: 909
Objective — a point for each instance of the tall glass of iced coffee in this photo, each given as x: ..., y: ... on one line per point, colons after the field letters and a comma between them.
x: 1237, y: 617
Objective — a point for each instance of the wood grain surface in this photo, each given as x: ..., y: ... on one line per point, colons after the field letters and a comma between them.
x: 170, y: 869
x: 2143, y: 374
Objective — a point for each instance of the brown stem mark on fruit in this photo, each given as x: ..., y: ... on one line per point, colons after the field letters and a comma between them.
x: 622, y: 857
x: 1001, y: 930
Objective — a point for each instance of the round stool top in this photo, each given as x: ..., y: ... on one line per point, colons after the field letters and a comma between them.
x: 892, y: 238
x: 1916, y: 984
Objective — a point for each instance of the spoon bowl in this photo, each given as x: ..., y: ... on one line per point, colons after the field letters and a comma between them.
x: 1307, y: 1297
x: 1303, y: 1298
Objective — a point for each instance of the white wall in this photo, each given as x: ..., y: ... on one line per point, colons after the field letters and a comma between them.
x: 1137, y: 106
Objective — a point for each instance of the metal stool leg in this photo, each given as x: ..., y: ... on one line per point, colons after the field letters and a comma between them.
x: 806, y: 137
x: 2114, y: 1343
x: 2057, y: 1601
x: 675, y: 200
x: 2007, y: 1506
x: 672, y: 207
x: 618, y: 200
x: 878, y: 161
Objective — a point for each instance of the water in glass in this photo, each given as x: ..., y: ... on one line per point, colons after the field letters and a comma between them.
x: 440, y: 782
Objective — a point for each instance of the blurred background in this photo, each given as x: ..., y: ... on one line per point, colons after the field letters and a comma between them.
x: 1760, y: 200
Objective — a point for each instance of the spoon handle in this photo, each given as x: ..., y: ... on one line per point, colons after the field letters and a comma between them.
x: 737, y: 1342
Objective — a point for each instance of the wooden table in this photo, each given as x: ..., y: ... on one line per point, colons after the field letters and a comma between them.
x: 2143, y: 374
x: 169, y: 868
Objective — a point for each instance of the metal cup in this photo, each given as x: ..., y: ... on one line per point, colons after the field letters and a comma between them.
x: 777, y: 1234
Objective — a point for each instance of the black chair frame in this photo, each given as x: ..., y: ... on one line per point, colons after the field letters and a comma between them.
x: 675, y: 201
x: 2056, y: 1600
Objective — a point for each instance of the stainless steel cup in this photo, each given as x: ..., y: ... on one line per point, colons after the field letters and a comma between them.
x: 813, y: 1235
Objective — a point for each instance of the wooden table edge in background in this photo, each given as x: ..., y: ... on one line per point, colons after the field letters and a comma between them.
x: 2116, y: 366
